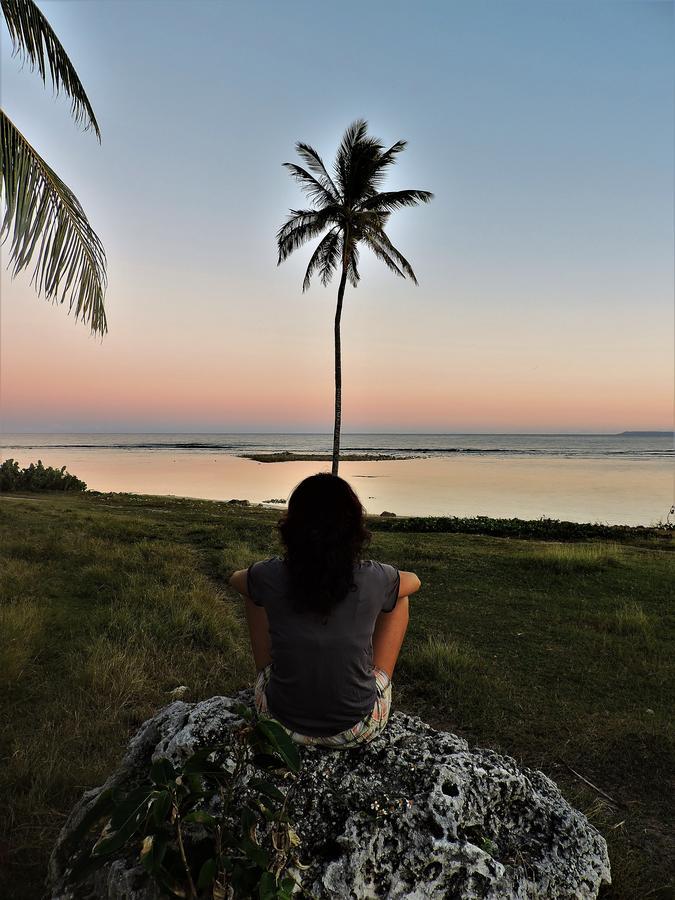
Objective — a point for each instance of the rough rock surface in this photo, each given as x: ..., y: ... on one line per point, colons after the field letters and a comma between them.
x: 415, y: 814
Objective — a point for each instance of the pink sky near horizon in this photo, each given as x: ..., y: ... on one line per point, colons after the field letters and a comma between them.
x: 234, y: 373
x: 545, y: 261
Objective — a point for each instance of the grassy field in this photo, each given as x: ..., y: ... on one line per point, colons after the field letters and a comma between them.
x: 558, y: 654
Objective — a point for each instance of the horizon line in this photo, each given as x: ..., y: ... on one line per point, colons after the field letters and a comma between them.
x: 652, y: 431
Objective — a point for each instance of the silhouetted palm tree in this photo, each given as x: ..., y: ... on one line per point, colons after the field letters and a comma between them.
x: 43, y: 216
x: 351, y: 210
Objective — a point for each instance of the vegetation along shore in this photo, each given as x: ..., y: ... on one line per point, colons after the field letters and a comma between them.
x: 557, y: 652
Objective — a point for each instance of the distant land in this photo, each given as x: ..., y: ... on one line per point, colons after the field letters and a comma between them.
x: 645, y: 434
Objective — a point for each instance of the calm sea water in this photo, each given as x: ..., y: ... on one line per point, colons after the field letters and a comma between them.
x: 570, y: 446
x: 611, y: 478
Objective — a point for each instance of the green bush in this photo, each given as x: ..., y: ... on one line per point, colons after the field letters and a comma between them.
x: 207, y: 829
x: 540, y: 529
x: 37, y: 478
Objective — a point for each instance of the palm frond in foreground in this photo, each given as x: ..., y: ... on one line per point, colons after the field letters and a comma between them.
x: 34, y: 39
x: 41, y: 212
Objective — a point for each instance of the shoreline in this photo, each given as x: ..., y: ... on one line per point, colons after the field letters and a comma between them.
x: 618, y: 491
x: 544, y: 529
x: 292, y: 456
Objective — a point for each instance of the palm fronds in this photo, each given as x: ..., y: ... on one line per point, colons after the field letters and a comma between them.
x: 324, y: 260
x: 301, y: 226
x: 315, y: 189
x: 350, y: 204
x: 43, y: 215
x: 385, y: 251
x: 34, y: 39
x: 315, y: 164
x: 391, y: 200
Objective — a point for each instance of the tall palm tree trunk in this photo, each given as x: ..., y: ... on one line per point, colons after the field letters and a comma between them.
x: 338, y: 373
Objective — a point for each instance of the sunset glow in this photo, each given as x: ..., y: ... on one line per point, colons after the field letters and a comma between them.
x: 545, y: 261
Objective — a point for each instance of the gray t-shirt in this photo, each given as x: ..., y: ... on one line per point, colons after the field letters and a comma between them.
x: 322, y: 679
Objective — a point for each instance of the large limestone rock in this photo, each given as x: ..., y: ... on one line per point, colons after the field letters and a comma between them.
x: 415, y: 814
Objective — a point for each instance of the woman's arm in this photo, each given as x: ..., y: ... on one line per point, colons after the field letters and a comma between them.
x: 390, y: 629
x: 410, y: 583
x: 238, y: 580
x: 259, y: 634
x: 256, y: 619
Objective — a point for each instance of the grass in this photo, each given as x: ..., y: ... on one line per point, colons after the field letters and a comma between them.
x: 559, y: 654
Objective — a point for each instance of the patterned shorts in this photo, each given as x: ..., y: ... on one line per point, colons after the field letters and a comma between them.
x: 365, y: 730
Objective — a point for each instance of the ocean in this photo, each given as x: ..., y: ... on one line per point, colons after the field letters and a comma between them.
x: 627, y: 478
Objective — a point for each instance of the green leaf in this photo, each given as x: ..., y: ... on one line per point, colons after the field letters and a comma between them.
x: 267, y: 788
x: 207, y: 874
x: 200, y: 764
x: 153, y: 851
x: 287, y: 885
x: 195, y: 783
x: 244, y: 712
x: 160, y: 807
x: 244, y: 879
x: 169, y: 882
x: 162, y: 772
x: 281, y: 742
x: 130, y: 807
x: 255, y: 853
x: 269, y: 814
x: 248, y: 819
x: 268, y: 761
x: 112, y: 842
x: 267, y: 889
x: 200, y: 817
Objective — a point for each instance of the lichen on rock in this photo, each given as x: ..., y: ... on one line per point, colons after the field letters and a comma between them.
x: 414, y: 814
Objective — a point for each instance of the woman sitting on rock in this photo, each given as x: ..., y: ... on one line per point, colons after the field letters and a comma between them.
x: 326, y: 627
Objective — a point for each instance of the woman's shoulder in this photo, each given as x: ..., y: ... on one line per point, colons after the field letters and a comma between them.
x: 375, y: 568
x: 269, y: 564
x: 266, y: 578
x: 372, y: 564
x: 270, y: 570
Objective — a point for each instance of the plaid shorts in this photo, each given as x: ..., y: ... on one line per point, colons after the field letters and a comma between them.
x: 368, y: 728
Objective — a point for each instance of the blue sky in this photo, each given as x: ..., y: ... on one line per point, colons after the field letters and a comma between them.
x: 545, y: 131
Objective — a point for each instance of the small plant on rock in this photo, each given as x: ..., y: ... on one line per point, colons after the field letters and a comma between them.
x: 216, y: 826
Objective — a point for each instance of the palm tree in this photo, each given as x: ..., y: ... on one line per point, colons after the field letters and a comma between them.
x: 43, y: 216
x: 351, y: 210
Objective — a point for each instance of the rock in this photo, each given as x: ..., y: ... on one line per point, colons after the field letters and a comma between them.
x: 389, y: 515
x: 415, y: 814
x: 234, y: 502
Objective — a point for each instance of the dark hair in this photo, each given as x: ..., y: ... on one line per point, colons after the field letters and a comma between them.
x: 324, y: 534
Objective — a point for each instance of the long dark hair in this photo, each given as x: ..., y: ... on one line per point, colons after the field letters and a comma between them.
x: 324, y: 534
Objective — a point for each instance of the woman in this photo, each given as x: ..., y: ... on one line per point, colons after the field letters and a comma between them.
x: 326, y: 627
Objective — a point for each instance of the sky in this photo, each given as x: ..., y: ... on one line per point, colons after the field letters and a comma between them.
x: 545, y: 261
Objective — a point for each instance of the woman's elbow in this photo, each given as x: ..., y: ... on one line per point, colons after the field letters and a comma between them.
x: 238, y: 581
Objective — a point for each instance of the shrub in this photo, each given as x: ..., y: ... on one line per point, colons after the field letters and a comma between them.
x: 37, y: 478
x: 540, y: 529
x: 207, y: 829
